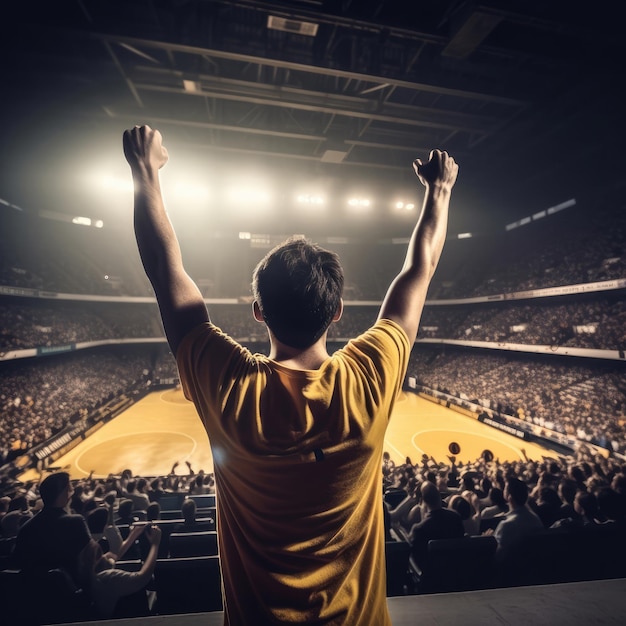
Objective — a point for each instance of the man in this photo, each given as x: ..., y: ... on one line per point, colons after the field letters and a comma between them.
x: 297, y: 436
x: 519, y: 522
x: 438, y: 523
x: 134, y: 492
x: 53, y: 538
x: 190, y: 524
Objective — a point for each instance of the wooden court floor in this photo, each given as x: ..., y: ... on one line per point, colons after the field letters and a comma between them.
x: 163, y: 428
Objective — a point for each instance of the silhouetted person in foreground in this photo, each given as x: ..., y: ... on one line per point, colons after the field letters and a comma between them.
x: 53, y: 538
x: 297, y: 436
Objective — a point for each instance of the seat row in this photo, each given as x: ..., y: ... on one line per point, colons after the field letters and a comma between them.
x: 545, y: 557
x: 179, y: 585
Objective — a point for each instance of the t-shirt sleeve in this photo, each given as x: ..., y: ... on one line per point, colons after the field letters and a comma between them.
x: 206, y: 358
x: 382, y: 356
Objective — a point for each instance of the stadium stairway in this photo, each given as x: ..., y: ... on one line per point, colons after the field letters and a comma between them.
x: 590, y: 602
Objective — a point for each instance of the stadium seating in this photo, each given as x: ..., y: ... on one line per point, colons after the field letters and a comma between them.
x: 193, y: 544
x: 463, y: 564
x: 188, y: 585
x: 399, y: 578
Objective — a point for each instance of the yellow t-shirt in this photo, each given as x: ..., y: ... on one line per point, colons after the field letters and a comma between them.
x: 297, y: 459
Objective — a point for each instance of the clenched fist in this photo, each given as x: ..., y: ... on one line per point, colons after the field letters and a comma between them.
x: 440, y: 169
x: 143, y: 149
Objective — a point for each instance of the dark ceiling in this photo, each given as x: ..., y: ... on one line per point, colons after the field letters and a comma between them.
x: 526, y: 95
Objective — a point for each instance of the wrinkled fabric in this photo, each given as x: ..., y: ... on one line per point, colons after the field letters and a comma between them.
x: 297, y: 460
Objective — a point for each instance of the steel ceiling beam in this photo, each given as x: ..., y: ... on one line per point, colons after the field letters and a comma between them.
x: 226, y: 127
x: 311, y: 69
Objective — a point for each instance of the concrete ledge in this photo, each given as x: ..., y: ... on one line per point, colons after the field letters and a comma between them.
x: 593, y: 602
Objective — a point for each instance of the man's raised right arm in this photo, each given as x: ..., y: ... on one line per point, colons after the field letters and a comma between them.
x: 180, y: 301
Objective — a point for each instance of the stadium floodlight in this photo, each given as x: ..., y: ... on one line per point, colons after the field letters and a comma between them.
x: 86, y: 221
x: 312, y: 200
x: 401, y: 205
x: 359, y: 203
x: 292, y: 25
x: 192, y: 86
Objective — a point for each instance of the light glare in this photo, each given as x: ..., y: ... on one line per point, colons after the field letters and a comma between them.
x: 248, y: 195
x: 188, y: 191
x: 116, y: 184
x: 359, y: 202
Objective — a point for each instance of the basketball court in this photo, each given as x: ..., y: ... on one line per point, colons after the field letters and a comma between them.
x: 163, y: 428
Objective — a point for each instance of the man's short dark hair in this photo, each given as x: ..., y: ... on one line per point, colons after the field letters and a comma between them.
x: 298, y: 286
x: 430, y: 494
x: 518, y: 490
x: 52, y: 487
x: 188, y: 510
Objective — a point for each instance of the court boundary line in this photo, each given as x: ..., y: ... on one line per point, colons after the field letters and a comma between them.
x: 87, y: 449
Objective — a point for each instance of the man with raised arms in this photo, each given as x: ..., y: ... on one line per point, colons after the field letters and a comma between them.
x: 297, y: 436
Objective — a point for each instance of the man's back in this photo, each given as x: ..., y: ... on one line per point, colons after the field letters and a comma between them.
x: 141, y: 502
x: 514, y: 527
x: 437, y: 524
x: 51, y: 539
x: 297, y: 466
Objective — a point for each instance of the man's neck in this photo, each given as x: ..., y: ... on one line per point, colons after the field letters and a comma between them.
x: 310, y: 358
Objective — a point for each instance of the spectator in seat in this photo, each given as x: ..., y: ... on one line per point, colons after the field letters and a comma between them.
x: 19, y: 502
x: 190, y: 523
x: 586, y: 506
x: 567, y: 492
x: 519, y: 522
x: 140, y: 500
x: 156, y: 489
x: 548, y: 506
x: 154, y: 512
x: 293, y: 433
x: 196, y: 485
x: 469, y: 515
x: 53, y: 538
x: 612, y: 506
x: 499, y: 505
x: 438, y: 523
x: 11, y: 523
x: 105, y: 584
x: 125, y: 514
x: 103, y: 529
x: 619, y: 483
x: 407, y: 513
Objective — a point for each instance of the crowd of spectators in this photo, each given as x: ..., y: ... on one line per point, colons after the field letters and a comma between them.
x: 593, y: 323
x: 578, y: 397
x: 424, y: 500
x: 487, y: 496
x: 39, y: 401
x: 32, y: 323
x: 585, y: 399
x: 596, y: 323
x: 575, y: 246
